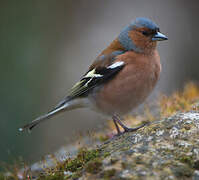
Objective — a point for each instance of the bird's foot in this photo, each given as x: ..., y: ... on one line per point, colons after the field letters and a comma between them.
x: 126, y: 129
x: 117, y: 121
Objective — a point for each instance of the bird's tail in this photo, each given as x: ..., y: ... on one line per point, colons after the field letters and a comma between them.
x: 62, y: 106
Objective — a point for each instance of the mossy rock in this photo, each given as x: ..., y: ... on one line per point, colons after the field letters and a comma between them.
x: 165, y: 149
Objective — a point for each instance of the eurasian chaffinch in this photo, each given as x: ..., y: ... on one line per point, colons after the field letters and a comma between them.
x: 120, y: 78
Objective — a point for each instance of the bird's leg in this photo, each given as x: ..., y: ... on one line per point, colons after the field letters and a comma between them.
x: 126, y: 129
x: 116, y: 125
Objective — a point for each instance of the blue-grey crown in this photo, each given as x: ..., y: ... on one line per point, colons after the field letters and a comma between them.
x: 124, y: 38
x: 144, y: 22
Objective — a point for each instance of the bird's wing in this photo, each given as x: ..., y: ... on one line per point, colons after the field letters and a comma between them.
x: 102, y: 69
x: 94, y: 78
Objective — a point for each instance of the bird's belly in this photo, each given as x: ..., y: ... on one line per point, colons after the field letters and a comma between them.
x: 125, y: 92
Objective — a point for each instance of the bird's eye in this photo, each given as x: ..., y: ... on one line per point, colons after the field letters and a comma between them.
x: 146, y: 33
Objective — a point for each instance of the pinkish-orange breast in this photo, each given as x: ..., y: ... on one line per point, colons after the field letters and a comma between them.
x: 131, y: 85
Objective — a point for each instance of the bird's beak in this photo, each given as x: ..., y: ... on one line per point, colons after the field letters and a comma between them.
x: 159, y: 37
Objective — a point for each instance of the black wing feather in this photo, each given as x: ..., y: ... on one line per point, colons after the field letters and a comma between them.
x: 86, y: 84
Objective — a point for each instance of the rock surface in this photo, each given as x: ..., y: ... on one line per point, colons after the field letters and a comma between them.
x: 165, y: 149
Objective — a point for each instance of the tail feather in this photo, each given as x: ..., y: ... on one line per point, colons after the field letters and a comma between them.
x: 35, y: 122
x: 66, y: 104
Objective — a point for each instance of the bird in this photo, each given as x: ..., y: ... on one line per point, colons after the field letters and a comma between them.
x: 119, y: 79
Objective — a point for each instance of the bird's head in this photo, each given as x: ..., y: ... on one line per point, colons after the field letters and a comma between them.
x: 141, y: 36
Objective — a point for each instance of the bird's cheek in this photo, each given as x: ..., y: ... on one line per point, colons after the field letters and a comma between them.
x: 136, y: 38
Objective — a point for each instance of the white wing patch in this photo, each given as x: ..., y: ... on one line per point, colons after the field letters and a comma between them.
x: 115, y: 65
x: 92, y: 74
x: 88, y: 82
x: 93, y: 78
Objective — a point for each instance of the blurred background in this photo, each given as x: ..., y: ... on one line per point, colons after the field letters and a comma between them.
x: 46, y: 46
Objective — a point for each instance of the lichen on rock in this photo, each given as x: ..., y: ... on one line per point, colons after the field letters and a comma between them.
x: 166, y: 149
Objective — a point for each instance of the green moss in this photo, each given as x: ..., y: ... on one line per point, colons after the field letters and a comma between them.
x: 94, y: 166
x: 106, y: 154
x: 82, y: 158
x: 85, y: 158
x: 107, y: 174
x: 75, y: 175
x: 52, y: 177
x: 75, y: 165
x: 187, y: 160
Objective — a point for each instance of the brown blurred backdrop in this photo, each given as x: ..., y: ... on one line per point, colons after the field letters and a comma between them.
x: 47, y: 45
